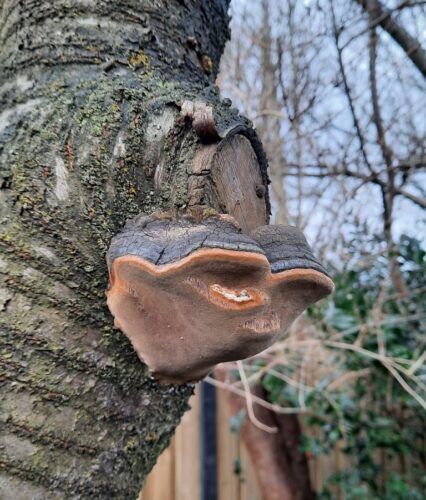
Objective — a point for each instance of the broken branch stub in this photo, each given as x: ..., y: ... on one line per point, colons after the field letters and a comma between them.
x: 190, y: 295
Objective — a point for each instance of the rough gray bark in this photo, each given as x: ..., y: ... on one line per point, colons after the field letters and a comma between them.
x: 90, y: 135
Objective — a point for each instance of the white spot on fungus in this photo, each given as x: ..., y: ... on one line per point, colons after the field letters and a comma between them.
x: 236, y: 296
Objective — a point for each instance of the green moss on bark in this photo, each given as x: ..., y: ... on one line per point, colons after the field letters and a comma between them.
x: 73, y: 168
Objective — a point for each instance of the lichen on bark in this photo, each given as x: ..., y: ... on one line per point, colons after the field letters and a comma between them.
x: 90, y: 136
x: 81, y: 417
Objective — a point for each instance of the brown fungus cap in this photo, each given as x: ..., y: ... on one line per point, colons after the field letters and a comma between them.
x: 191, y: 295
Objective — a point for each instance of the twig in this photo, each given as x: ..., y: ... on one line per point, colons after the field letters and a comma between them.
x: 261, y: 402
x: 404, y: 384
x: 348, y: 91
x: 249, y: 402
x: 417, y: 364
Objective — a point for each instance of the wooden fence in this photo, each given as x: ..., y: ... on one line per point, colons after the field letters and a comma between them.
x: 176, y: 475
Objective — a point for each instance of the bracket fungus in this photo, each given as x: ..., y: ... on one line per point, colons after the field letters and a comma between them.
x: 190, y: 295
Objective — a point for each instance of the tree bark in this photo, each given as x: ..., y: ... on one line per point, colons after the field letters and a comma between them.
x: 91, y: 134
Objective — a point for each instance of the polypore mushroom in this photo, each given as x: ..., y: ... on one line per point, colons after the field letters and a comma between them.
x: 191, y: 295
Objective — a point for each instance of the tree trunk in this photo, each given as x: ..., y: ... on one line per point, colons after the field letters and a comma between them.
x: 91, y: 134
x: 269, y: 126
x: 282, y: 470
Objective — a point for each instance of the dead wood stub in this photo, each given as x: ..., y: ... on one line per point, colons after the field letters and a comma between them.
x: 236, y: 176
x: 228, y: 175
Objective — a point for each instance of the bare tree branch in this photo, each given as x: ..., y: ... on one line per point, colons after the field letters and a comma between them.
x: 421, y: 202
x: 388, y: 191
x: 409, y: 44
x: 347, y: 89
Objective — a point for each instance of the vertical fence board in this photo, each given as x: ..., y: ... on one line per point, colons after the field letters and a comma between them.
x: 176, y: 475
x: 227, y: 451
x: 187, y: 453
x: 248, y: 486
x: 160, y: 482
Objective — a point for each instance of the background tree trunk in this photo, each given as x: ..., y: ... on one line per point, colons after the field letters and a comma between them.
x: 90, y: 135
x: 273, y: 443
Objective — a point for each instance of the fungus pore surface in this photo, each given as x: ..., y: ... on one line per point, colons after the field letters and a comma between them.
x: 190, y: 295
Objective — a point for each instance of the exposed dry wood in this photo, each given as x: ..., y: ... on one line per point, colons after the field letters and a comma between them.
x: 229, y: 171
x: 236, y: 177
x: 202, y: 119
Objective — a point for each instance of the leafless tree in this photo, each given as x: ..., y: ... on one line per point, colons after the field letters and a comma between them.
x: 337, y: 91
x: 329, y: 81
